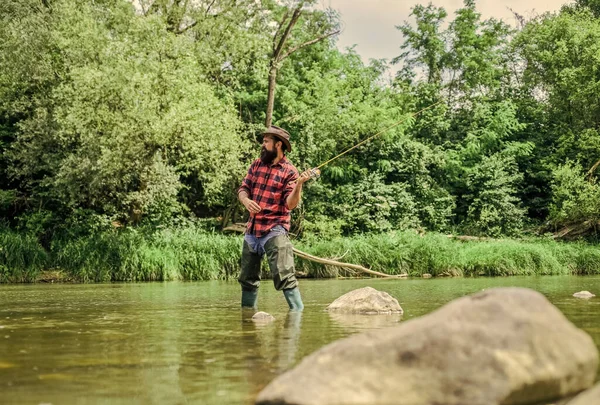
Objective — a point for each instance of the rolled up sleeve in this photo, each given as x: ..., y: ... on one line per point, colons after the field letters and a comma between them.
x: 290, y: 184
x: 247, y: 182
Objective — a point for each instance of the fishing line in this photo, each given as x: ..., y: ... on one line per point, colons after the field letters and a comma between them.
x: 316, y: 171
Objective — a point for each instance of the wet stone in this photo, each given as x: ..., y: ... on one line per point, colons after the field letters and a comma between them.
x: 262, y: 317
x: 366, y: 300
x: 583, y: 294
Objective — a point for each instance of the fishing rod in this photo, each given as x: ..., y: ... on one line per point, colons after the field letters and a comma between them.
x: 315, y: 172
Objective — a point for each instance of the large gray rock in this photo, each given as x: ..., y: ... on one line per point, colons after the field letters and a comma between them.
x: 501, y: 346
x: 366, y: 300
x: 589, y: 397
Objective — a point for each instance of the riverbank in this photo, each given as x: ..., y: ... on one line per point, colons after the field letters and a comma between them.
x: 193, y: 254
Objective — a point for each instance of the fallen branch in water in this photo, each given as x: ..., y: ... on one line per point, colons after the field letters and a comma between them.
x: 357, y: 267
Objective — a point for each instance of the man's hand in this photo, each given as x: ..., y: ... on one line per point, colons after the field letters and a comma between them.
x: 304, y: 177
x: 251, y: 206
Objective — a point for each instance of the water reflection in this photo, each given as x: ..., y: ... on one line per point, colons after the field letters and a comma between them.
x: 362, y: 322
x: 275, y: 342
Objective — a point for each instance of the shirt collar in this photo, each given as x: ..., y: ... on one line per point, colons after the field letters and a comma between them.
x: 280, y: 163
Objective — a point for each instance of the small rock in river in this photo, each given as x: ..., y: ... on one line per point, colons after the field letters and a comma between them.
x: 426, y: 275
x: 262, y: 317
x: 583, y: 294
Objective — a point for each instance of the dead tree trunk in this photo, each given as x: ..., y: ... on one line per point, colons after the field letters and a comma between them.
x: 278, y: 56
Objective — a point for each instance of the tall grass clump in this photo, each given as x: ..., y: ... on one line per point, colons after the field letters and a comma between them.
x: 586, y: 259
x: 136, y: 255
x: 511, y: 258
x: 391, y: 253
x: 97, y: 257
x: 22, y: 257
x: 202, y: 255
x: 413, y: 254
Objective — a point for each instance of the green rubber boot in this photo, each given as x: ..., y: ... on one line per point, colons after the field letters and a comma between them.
x: 249, y: 298
x: 292, y: 296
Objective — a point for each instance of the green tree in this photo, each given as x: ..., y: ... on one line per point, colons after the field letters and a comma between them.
x: 575, y: 200
x: 131, y: 130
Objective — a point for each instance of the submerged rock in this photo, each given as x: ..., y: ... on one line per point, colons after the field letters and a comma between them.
x: 500, y: 346
x: 362, y: 322
x: 262, y: 317
x: 366, y: 300
x: 583, y: 294
x: 589, y: 397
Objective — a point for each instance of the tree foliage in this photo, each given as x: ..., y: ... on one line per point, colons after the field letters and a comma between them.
x: 147, y: 112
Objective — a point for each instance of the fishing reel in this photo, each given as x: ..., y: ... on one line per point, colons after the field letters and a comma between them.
x: 315, y: 173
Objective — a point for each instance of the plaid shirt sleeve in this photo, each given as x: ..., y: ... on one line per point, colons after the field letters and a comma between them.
x: 291, y: 180
x: 247, y: 182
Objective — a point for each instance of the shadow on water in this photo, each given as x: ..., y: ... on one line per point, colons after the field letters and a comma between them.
x: 177, y: 343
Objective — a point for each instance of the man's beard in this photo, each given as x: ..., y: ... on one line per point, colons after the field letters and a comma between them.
x: 267, y: 156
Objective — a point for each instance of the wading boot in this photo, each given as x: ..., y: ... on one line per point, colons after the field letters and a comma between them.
x: 249, y: 298
x: 292, y: 296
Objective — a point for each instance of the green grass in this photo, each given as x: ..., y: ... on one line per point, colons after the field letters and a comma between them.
x: 129, y: 255
x: 21, y: 257
x: 195, y: 254
x: 438, y: 255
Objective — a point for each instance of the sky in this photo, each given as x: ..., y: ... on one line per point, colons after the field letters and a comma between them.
x: 370, y: 24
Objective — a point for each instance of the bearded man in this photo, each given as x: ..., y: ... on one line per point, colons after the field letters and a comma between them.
x: 270, y: 190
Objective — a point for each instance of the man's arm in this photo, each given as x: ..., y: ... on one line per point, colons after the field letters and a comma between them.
x: 244, y: 192
x: 293, y: 199
x: 251, y: 205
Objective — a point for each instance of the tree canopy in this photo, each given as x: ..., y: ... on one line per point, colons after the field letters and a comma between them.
x: 147, y: 113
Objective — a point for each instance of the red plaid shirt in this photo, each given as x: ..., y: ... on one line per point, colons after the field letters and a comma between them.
x: 269, y: 186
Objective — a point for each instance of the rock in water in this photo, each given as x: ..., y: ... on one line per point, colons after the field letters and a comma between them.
x: 262, y: 317
x: 366, y: 300
x: 500, y: 346
x: 583, y: 294
x: 589, y: 397
x: 362, y: 322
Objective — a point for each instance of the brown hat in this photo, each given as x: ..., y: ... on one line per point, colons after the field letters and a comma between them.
x: 281, y: 134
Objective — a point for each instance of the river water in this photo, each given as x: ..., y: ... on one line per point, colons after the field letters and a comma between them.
x: 187, y: 343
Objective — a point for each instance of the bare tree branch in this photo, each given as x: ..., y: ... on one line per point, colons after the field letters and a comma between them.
x: 314, y: 41
x: 286, y: 33
x: 283, y: 20
x: 209, y: 6
x: 187, y: 27
x: 593, y: 169
x: 143, y: 7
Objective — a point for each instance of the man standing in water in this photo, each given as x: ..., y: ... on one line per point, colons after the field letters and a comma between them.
x: 270, y: 190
